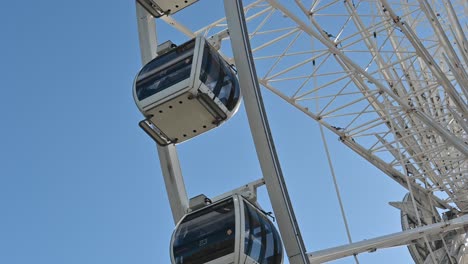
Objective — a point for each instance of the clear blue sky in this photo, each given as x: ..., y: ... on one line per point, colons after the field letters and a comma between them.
x: 80, y: 182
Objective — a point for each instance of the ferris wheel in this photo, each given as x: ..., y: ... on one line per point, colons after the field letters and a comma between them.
x: 388, y: 78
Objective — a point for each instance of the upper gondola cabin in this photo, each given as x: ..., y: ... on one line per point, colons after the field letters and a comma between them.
x: 185, y: 92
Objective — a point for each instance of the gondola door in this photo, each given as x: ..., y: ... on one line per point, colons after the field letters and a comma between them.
x: 261, y: 241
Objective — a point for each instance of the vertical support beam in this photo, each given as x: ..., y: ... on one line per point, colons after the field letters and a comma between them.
x: 168, y: 158
x: 261, y: 134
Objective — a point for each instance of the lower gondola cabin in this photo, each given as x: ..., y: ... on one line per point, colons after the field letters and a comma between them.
x: 185, y: 92
x: 231, y: 231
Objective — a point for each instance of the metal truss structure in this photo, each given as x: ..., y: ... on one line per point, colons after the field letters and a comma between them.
x: 390, y: 79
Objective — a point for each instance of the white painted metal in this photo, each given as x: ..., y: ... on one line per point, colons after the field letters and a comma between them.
x: 174, y: 181
x: 167, y: 155
x: 424, y: 54
x: 379, y: 78
x: 261, y: 133
x: 248, y: 192
x: 460, y: 36
x: 451, y: 56
x: 391, y: 240
x: 158, y: 8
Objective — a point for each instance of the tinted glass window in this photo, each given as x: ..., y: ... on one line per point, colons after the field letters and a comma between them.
x: 173, y: 55
x: 165, y: 71
x: 206, y: 235
x: 216, y: 74
x: 230, y: 91
x: 262, y: 242
x: 210, y: 68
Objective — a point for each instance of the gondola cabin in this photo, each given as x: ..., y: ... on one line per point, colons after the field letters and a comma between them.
x: 231, y: 231
x: 185, y: 92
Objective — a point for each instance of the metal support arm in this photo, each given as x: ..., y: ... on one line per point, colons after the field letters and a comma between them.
x: 167, y: 155
x: 261, y: 133
x: 392, y: 240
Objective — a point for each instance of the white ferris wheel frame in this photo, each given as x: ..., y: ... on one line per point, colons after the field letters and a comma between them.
x: 417, y: 130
